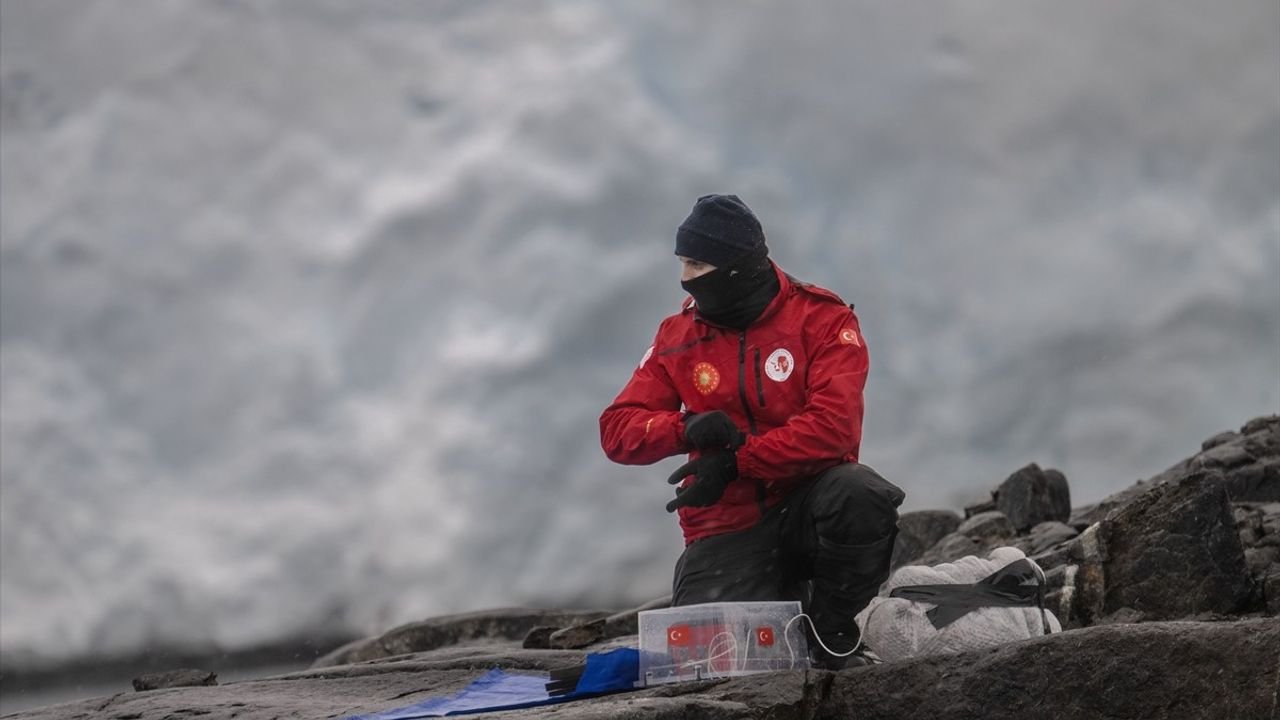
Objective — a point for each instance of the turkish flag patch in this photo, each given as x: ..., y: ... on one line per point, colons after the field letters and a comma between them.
x: 679, y: 635
x: 849, y: 336
x: 764, y: 636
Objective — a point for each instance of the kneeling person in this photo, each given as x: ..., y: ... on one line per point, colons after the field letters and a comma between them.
x: 759, y: 378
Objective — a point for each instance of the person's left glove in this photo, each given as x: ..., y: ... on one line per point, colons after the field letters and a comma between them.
x: 712, y: 474
x: 712, y: 431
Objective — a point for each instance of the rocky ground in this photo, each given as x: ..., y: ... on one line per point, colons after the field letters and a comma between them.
x: 1169, y: 592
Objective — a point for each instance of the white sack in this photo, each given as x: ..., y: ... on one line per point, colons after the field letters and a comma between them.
x: 897, y: 628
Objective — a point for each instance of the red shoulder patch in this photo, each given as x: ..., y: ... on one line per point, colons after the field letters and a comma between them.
x: 849, y: 336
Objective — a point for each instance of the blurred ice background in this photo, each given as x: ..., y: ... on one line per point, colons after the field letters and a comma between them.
x: 308, y: 309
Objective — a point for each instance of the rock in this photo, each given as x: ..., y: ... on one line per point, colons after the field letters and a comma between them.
x: 1257, y: 480
x: 987, y: 528
x: 1031, y: 496
x: 1270, y: 515
x: 918, y: 531
x: 539, y: 638
x: 978, y: 535
x: 1261, y: 424
x: 184, y: 677
x: 1124, y: 615
x: 950, y: 548
x: 980, y: 507
x: 1076, y: 576
x: 499, y: 624
x: 1219, y: 439
x: 1174, y: 552
x: 1096, y: 672
x: 1248, y: 517
x: 1083, y: 517
x: 1260, y: 559
x: 1249, y: 463
x: 1271, y: 590
x: 1045, y: 536
x: 1224, y: 456
x: 1222, y: 670
x: 616, y: 625
x: 578, y: 636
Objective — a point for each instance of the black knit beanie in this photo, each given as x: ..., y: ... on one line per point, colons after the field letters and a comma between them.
x: 720, y: 229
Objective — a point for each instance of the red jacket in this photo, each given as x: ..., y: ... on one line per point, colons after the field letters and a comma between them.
x: 793, y: 380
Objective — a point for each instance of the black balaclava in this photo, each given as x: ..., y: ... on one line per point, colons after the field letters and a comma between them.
x: 722, y: 231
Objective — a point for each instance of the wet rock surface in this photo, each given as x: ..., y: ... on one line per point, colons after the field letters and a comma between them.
x: 1168, y: 592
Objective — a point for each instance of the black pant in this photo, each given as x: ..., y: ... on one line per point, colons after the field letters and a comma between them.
x: 827, y: 544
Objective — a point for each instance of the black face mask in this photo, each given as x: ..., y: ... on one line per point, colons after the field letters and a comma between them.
x: 736, y: 294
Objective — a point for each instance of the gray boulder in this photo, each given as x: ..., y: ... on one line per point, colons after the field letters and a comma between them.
x: 918, y: 531
x: 987, y: 528
x: 948, y: 549
x: 1031, y: 496
x: 1258, y: 526
x: 977, y: 535
x: 1045, y: 536
x: 1174, y: 552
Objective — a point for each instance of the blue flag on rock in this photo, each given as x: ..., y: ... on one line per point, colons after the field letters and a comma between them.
x: 608, y: 672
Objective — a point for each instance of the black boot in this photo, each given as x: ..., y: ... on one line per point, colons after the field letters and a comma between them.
x: 845, y: 578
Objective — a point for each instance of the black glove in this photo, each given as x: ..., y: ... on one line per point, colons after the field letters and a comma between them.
x: 712, y: 431
x: 712, y: 472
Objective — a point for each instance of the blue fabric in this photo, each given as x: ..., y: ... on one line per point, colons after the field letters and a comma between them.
x: 610, y: 671
x: 497, y: 689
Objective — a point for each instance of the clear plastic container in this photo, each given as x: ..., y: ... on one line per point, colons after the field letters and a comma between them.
x: 714, y: 640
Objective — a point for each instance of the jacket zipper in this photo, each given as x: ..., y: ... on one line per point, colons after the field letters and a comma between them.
x: 742, y: 381
x: 759, y: 380
x: 746, y: 407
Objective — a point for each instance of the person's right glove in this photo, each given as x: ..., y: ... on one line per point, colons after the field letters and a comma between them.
x: 712, y: 474
x: 712, y: 431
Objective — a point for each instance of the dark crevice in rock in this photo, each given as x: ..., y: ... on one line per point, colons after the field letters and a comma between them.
x: 817, y: 691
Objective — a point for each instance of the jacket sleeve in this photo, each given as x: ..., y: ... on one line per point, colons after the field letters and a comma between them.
x: 644, y: 424
x: 828, y: 430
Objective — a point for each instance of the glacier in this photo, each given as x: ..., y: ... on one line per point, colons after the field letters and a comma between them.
x: 308, y: 309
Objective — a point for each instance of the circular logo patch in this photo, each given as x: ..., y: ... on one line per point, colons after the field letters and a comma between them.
x: 706, y: 378
x: 849, y: 337
x: 779, y: 365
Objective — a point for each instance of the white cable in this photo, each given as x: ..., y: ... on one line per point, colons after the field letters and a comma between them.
x: 730, y: 650
x: 786, y: 635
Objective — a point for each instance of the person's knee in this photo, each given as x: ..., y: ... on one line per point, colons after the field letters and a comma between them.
x: 864, y: 504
